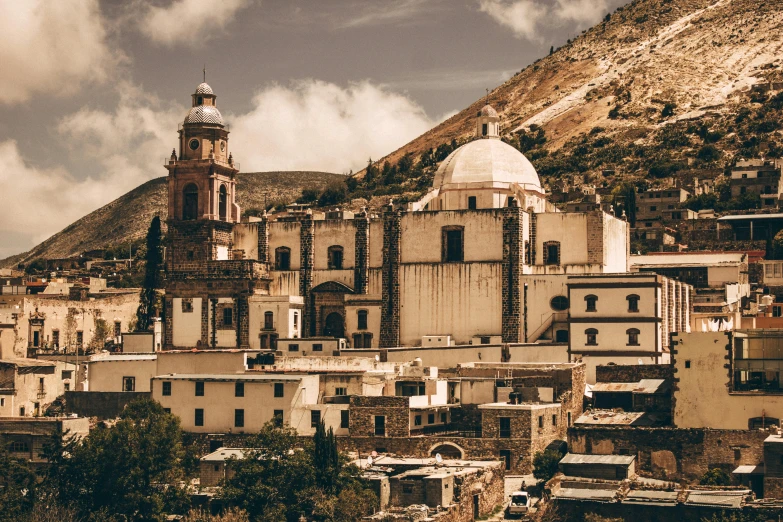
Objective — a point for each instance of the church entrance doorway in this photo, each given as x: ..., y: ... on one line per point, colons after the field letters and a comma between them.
x: 334, y: 325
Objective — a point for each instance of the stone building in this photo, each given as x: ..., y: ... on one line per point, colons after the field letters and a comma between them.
x: 651, y: 204
x: 757, y: 176
x: 479, y: 239
x: 28, y: 386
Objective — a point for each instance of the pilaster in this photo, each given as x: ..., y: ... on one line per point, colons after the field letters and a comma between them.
x: 306, y: 260
x: 513, y: 257
x: 361, y: 271
x: 390, y: 295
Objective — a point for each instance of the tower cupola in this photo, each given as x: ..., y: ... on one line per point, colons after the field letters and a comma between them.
x: 487, y: 123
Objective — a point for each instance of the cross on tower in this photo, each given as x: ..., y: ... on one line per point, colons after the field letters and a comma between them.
x: 205, y: 73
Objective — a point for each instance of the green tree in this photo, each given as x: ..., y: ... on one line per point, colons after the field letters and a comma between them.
x: 18, y: 486
x: 102, y: 331
x: 715, y: 477
x: 35, y: 266
x: 132, y: 469
x: 333, y: 194
x: 668, y: 110
x: 545, y: 464
x: 148, y: 300
x: 309, y: 195
x: 777, y: 246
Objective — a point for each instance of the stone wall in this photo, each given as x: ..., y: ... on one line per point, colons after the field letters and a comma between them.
x: 104, y: 405
x: 672, y: 452
x: 632, y: 372
x: 513, y: 259
x: 390, y: 277
x: 364, y: 409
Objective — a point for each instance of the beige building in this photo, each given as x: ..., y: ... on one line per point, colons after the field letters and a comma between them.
x: 28, y: 386
x: 728, y: 380
x: 481, y: 239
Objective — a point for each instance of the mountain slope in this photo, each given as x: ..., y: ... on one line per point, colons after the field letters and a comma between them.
x: 696, y: 58
x: 126, y: 219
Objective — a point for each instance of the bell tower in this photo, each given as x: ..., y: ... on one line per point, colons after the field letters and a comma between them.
x: 202, y: 177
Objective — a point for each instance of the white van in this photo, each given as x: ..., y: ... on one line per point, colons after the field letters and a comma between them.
x: 520, y: 503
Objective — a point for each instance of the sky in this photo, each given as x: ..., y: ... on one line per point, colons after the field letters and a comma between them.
x: 91, y: 91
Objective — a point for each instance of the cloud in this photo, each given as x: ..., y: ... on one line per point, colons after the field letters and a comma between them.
x: 315, y: 125
x: 383, y: 13
x: 51, y: 47
x: 527, y: 18
x: 188, y: 21
x: 452, y: 79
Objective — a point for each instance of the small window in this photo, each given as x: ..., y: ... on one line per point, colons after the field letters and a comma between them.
x: 380, y: 426
x: 345, y: 416
x: 293, y: 347
x: 335, y: 257
x: 590, y: 302
x: 315, y: 418
x: 228, y: 316
x: 559, y: 303
x: 552, y: 253
x: 540, y: 421
x: 444, y: 417
x: 561, y: 336
x: 505, y: 456
x: 166, y: 410
x: 117, y: 328
x: 737, y: 454
x: 554, y: 420
x: 653, y: 208
x: 361, y: 317
x: 318, y: 347
x: 277, y: 417
x: 239, y: 418
x: 633, y: 303
x: 166, y: 389
x: 283, y: 258
x: 79, y: 339
x: 191, y: 257
x: 56, y: 338
x: 19, y: 446
x: 66, y: 374
x: 199, y: 388
x: 187, y: 306
x: 199, y: 417
x: 269, y: 321
x: 569, y: 419
x: 239, y: 389
x: 362, y: 340
x: 417, y: 420
x: 341, y: 391
x: 483, y: 129
x: 471, y: 202
x: 279, y: 390
x: 128, y: 384
x: 687, y: 364
x: 431, y: 418
x: 504, y: 427
x: 633, y: 336
x: 452, y: 244
x: 592, y: 337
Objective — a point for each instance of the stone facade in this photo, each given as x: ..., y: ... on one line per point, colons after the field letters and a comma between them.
x: 361, y: 271
x: 364, y: 410
x: 390, y: 307
x: 513, y: 259
x: 633, y: 373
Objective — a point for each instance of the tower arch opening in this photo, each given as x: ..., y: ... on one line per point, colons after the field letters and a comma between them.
x: 190, y: 202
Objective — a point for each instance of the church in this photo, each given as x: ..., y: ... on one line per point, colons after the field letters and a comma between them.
x: 482, y: 258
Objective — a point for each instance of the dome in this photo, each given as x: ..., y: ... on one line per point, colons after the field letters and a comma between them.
x: 488, y: 110
x: 204, y: 114
x: 487, y: 161
x: 204, y: 88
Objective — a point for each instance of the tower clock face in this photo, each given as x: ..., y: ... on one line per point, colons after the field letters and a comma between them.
x: 194, y: 144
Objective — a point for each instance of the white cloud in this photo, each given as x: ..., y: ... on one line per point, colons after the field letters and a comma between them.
x: 382, y: 13
x: 527, y: 18
x: 188, y: 21
x: 51, y: 47
x: 314, y: 125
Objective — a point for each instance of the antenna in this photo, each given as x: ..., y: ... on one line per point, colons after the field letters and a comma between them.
x: 486, y: 99
x: 205, y: 73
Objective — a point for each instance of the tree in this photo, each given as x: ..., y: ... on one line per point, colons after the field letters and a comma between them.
x: 35, y: 266
x: 715, y: 477
x: 333, y: 194
x: 148, y: 300
x: 777, y: 246
x: 17, y: 486
x: 130, y: 470
x: 309, y: 195
x: 101, y: 333
x: 545, y: 464
x: 668, y: 110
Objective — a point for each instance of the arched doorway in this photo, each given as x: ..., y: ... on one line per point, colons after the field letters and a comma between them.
x: 190, y: 201
x: 447, y: 450
x: 334, y: 325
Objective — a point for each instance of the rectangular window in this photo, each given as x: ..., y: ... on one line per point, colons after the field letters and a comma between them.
x: 67, y: 374
x: 279, y: 390
x: 228, y: 316
x: 315, y: 418
x: 293, y: 347
x: 239, y: 418
x: 128, y: 384
x: 239, y: 389
x: 380, y: 426
x: 569, y: 419
x: 282, y: 259
x: 431, y: 418
x: 540, y: 421
x: 199, y: 420
x: 318, y: 347
x: 79, y: 339
x: 687, y: 364
x: 505, y: 456
x: 361, y: 318
x: 471, y: 202
x: 341, y: 391
x: 167, y: 410
x: 444, y: 417
x: 554, y: 420
x: 56, y: 338
x: 737, y: 454
x: 552, y: 252
x: 345, y: 417
x: 166, y: 390
x: 776, y: 311
x: 2, y: 401
x: 278, y: 417
x: 187, y: 306
x: 269, y: 320
x: 504, y: 424
x: 117, y: 328
x: 417, y: 420
x: 452, y: 245
x: 199, y: 389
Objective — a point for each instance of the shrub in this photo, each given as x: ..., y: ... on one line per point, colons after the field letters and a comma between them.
x: 668, y: 110
x: 708, y: 153
x: 715, y: 477
x: 545, y: 464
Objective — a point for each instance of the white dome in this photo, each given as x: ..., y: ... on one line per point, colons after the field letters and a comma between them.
x: 487, y: 161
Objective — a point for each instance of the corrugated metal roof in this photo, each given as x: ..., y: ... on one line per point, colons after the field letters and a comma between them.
x: 27, y: 363
x: 724, y: 499
x: 750, y: 216
x: 666, y: 498
x: 580, y: 458
x: 596, y: 495
x: 230, y: 377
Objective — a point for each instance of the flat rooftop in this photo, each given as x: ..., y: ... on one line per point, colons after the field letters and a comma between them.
x: 614, y: 460
x: 523, y: 406
x: 224, y: 454
x: 230, y: 377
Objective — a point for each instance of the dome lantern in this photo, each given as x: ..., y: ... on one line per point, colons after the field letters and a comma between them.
x: 487, y: 123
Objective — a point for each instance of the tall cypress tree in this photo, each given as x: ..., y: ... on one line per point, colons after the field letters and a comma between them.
x: 152, y: 280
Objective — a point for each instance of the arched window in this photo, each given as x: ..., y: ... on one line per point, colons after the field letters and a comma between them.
x: 552, y: 253
x: 269, y: 321
x: 223, y: 203
x: 190, y: 201
x: 592, y: 337
x: 559, y: 303
x: 452, y: 248
x: 633, y: 336
x: 633, y: 303
x: 335, y: 255
x: 282, y: 258
x: 590, y: 301
x: 361, y: 320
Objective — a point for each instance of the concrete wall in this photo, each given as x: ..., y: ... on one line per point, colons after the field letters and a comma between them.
x: 106, y: 375
x: 285, y: 234
x: 187, y: 325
